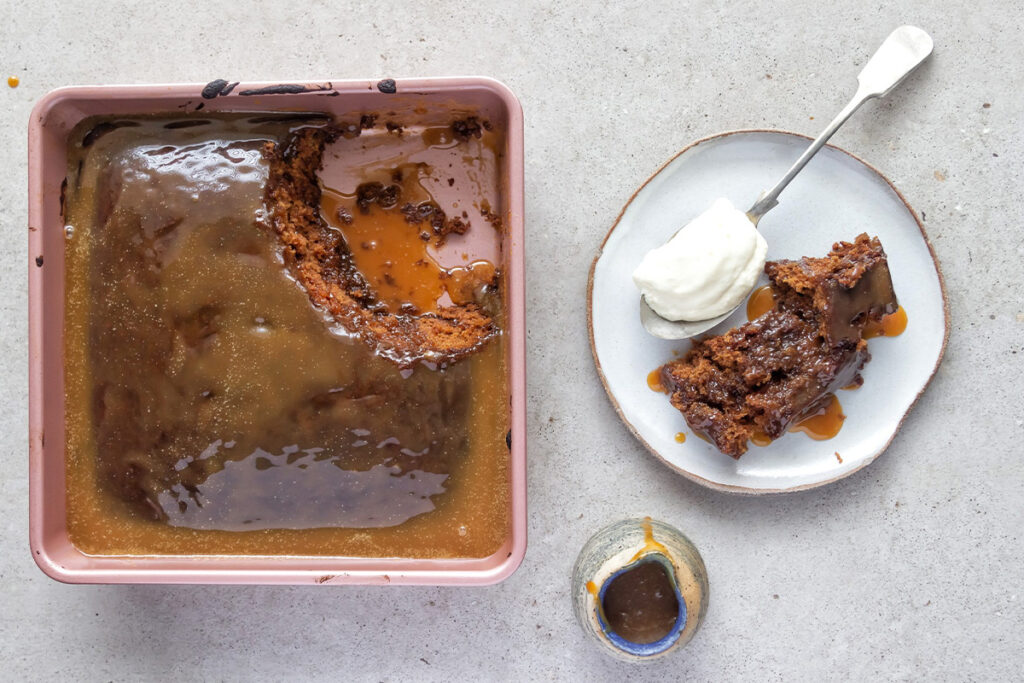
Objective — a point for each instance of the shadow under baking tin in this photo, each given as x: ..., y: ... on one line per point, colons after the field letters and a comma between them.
x: 662, y: 644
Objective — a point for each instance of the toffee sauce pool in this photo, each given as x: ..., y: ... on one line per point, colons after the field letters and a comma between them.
x: 640, y: 604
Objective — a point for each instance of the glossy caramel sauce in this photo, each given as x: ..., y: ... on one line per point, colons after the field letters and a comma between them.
x: 13, y: 81
x: 759, y: 438
x: 388, y: 251
x: 891, y: 325
x: 654, y: 381
x: 211, y: 409
x: 640, y: 604
x: 760, y: 302
x: 395, y: 255
x: 438, y: 136
x: 680, y: 437
x: 463, y: 282
x: 824, y: 423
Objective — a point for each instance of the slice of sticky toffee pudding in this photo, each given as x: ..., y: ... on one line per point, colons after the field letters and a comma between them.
x: 761, y: 377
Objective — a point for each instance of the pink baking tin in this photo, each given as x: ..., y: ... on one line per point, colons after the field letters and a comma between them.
x: 51, y: 121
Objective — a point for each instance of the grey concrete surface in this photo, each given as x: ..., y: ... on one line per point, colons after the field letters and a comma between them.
x: 910, y: 569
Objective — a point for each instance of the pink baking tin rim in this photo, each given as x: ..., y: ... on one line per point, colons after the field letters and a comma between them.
x: 51, y: 118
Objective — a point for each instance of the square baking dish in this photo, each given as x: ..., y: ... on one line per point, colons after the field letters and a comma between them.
x: 425, y: 100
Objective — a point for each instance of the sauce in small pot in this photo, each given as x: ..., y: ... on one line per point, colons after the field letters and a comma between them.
x: 640, y: 603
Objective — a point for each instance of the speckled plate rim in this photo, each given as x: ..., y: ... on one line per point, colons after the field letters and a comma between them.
x: 732, y: 488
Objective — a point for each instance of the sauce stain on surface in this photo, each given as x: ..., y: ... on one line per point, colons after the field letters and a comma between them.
x: 680, y: 437
x: 439, y: 136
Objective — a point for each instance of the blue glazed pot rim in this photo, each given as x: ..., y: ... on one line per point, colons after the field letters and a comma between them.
x: 658, y: 646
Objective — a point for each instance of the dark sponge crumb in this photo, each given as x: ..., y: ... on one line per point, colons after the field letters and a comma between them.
x: 469, y: 127
x: 440, y: 223
x: 386, y: 196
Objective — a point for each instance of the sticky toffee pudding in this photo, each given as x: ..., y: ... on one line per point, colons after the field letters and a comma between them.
x: 756, y: 381
x: 241, y: 380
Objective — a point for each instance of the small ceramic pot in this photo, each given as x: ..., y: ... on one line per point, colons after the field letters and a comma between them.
x: 621, y: 547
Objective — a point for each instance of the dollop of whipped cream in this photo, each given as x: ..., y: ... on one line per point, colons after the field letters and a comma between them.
x: 706, y: 269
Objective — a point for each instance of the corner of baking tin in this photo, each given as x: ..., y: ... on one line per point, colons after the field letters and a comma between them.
x: 46, y: 562
x: 45, y: 105
x: 514, y: 553
x: 508, y: 97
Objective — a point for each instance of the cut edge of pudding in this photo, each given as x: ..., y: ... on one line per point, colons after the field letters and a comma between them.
x: 761, y: 377
x: 321, y: 262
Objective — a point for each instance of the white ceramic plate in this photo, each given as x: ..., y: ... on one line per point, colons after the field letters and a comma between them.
x: 837, y: 196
